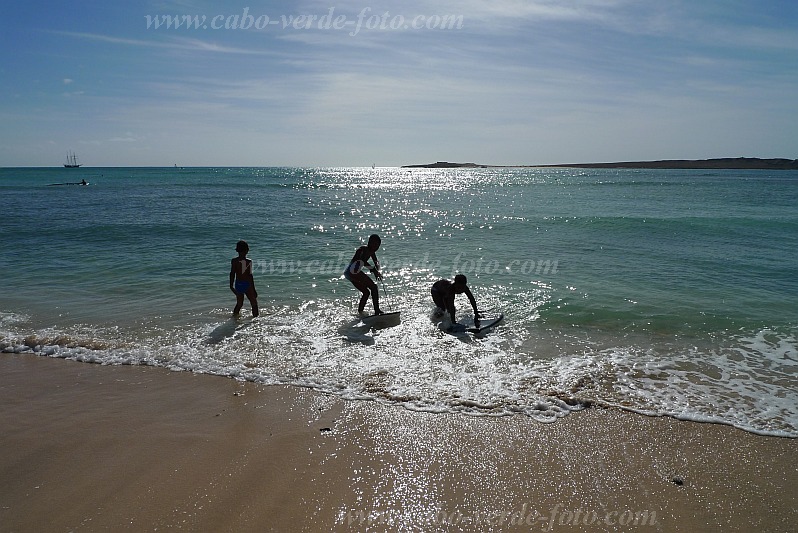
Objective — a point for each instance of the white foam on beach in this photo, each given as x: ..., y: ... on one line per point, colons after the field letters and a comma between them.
x: 747, y: 380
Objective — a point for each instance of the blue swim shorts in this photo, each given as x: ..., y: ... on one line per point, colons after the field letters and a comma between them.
x: 242, y: 287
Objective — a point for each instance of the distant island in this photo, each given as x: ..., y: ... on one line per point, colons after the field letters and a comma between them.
x: 736, y: 163
x: 446, y: 164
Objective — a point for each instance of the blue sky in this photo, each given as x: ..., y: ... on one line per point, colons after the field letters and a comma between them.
x: 494, y: 82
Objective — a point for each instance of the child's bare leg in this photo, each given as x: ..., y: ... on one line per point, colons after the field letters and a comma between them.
x: 375, y: 299
x: 363, y: 300
x: 253, y: 301
x: 239, y: 303
x: 365, y: 286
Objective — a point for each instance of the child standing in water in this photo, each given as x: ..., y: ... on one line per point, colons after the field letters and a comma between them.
x: 355, y: 274
x: 241, y: 281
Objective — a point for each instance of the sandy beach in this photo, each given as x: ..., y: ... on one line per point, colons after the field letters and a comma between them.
x: 128, y: 448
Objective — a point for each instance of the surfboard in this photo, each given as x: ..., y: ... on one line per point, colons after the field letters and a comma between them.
x: 461, y: 329
x: 383, y: 321
x: 485, y: 324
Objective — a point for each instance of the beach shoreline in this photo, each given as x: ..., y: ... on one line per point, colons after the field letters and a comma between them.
x: 88, y: 447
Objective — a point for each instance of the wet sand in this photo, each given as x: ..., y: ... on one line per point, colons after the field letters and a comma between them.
x: 118, y: 448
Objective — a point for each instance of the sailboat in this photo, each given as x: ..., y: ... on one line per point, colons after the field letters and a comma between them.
x: 72, y: 160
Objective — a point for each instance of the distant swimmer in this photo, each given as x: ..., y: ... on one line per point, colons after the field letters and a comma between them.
x: 241, y: 281
x: 354, y: 272
x: 443, y: 293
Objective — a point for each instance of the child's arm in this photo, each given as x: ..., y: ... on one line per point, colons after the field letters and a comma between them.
x: 232, y: 274
x: 376, y: 269
x: 252, y: 277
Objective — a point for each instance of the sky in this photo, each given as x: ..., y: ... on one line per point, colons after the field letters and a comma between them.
x: 367, y: 82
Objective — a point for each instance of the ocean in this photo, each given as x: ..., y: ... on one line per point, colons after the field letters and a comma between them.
x: 663, y: 292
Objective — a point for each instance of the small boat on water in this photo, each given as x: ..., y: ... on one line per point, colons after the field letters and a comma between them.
x: 71, y: 160
x: 81, y: 182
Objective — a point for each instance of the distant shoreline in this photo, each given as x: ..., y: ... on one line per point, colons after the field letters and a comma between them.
x: 729, y: 163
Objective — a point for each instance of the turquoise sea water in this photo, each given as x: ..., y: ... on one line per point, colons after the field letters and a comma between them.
x: 663, y: 292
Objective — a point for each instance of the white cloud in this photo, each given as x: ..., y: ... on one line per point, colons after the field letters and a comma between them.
x: 175, y: 44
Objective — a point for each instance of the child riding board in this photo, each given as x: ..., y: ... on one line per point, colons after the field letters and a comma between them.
x: 443, y: 293
x: 354, y: 272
